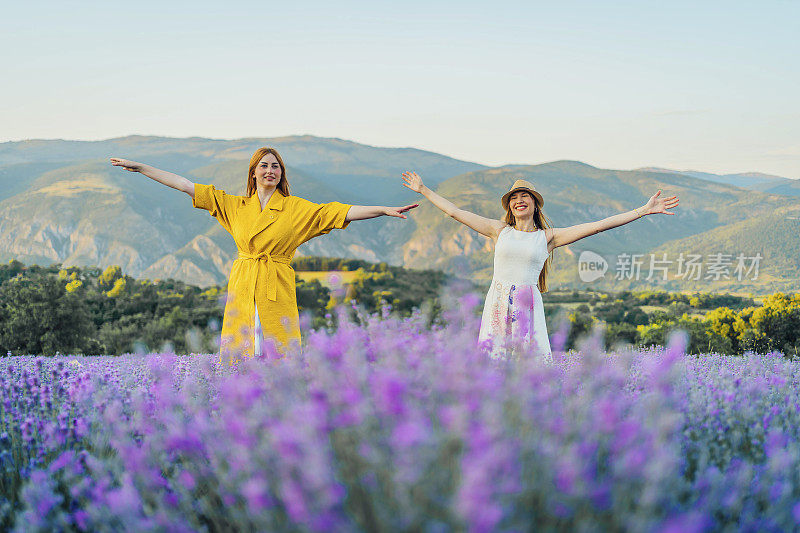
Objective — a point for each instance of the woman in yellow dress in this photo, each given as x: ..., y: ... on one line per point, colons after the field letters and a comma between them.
x: 268, y: 224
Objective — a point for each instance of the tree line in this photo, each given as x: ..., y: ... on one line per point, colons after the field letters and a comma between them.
x: 715, y: 323
x: 70, y: 310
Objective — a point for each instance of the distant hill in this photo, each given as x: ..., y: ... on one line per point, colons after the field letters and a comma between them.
x: 61, y: 201
x: 746, y: 180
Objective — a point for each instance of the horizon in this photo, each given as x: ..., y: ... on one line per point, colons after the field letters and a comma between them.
x: 646, y: 168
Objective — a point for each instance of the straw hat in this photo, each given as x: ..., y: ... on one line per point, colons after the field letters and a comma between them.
x: 522, y: 185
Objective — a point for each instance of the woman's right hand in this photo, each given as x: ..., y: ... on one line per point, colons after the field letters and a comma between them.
x: 413, y: 181
x: 131, y: 166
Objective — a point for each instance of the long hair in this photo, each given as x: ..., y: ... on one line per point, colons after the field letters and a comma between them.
x: 541, y: 222
x: 282, y: 186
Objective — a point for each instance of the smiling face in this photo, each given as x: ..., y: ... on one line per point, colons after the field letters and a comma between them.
x: 268, y: 172
x: 521, y: 204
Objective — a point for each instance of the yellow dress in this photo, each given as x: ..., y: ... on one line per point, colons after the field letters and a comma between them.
x: 261, y: 275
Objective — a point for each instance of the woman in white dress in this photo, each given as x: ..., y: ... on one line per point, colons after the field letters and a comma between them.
x: 513, y: 315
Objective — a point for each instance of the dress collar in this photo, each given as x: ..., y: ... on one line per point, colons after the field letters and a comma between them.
x: 275, y: 201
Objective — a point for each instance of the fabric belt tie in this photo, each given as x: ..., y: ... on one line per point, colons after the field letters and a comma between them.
x: 265, y: 260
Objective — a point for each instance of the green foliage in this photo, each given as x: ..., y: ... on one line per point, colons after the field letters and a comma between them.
x: 713, y: 301
x: 91, y: 311
x: 636, y: 317
x: 10, y: 270
x: 620, y: 334
x: 773, y: 326
x: 322, y: 264
x: 580, y: 324
x: 722, y: 321
x: 312, y: 298
x: 701, y: 339
x: 108, y: 277
x: 739, y: 326
x: 74, y: 310
x: 611, y: 312
x: 375, y: 284
x: 38, y: 316
x: 403, y: 289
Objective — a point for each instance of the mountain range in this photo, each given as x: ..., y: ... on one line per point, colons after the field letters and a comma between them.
x: 755, y: 181
x: 61, y: 201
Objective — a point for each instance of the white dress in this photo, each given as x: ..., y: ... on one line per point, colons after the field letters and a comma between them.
x: 258, y: 336
x: 513, y: 315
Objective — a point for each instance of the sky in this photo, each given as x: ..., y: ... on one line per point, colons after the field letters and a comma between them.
x: 710, y: 86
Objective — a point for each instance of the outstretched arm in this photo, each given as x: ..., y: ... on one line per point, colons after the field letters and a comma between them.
x: 562, y: 236
x: 167, y: 178
x: 363, y: 212
x: 485, y: 226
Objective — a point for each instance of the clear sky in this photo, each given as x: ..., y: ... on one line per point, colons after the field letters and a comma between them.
x: 709, y: 85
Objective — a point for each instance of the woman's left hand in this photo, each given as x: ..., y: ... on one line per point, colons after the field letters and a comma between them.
x: 659, y: 205
x: 398, y: 211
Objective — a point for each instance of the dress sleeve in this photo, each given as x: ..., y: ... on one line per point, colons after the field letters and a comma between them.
x: 219, y: 203
x: 312, y: 220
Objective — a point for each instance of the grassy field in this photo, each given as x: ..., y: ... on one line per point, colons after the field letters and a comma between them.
x: 326, y: 277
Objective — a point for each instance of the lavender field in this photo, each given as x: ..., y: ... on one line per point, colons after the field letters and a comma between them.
x: 391, y: 425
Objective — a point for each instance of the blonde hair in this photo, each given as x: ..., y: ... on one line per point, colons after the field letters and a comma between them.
x: 283, y: 185
x: 541, y: 222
